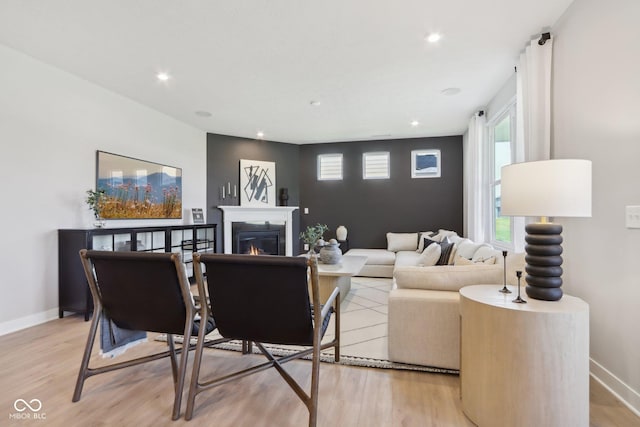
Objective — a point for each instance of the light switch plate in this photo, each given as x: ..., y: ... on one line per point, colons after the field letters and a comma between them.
x: 306, y: 211
x: 632, y: 216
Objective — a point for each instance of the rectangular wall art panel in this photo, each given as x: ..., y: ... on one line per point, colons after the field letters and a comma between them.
x: 257, y: 183
x: 137, y: 189
x: 425, y: 164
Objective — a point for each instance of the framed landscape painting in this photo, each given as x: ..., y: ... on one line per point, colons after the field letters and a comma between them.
x: 257, y: 183
x: 138, y: 189
x: 425, y: 164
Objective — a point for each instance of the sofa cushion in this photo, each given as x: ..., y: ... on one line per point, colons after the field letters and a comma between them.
x: 447, y: 277
x: 407, y: 258
x: 402, y: 242
x: 375, y: 256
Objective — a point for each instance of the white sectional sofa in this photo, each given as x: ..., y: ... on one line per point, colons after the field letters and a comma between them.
x: 424, y: 317
x: 406, y: 249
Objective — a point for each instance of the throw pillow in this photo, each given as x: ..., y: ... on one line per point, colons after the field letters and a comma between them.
x: 423, y: 234
x: 429, y: 256
x: 426, y: 241
x: 402, y: 242
x: 486, y: 252
x: 460, y: 260
x: 467, y: 248
x: 442, y: 233
x: 446, y: 248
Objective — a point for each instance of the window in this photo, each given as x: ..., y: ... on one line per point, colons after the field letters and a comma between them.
x: 502, y: 144
x: 330, y: 167
x: 375, y: 165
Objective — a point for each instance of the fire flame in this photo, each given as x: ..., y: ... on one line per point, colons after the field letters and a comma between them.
x: 254, y: 251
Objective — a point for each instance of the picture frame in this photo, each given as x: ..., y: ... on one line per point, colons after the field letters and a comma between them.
x: 197, y: 215
x: 257, y: 183
x: 425, y: 164
x: 138, y: 189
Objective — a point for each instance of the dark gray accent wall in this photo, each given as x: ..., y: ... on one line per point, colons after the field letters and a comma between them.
x: 370, y: 208
x: 223, y: 166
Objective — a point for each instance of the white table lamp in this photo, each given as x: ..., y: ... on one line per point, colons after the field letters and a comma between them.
x: 548, y: 188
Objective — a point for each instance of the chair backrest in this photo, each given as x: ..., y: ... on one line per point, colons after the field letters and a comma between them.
x: 140, y: 291
x: 259, y: 298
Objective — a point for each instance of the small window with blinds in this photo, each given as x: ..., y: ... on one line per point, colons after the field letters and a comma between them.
x: 330, y: 167
x: 375, y: 165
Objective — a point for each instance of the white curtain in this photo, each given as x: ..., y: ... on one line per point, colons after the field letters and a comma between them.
x: 533, y: 134
x: 474, y: 213
x: 533, y: 121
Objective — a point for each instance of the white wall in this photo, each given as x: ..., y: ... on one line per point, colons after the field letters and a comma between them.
x: 596, y: 116
x: 51, y: 124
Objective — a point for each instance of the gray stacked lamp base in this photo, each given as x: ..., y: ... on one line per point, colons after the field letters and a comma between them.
x: 544, y: 271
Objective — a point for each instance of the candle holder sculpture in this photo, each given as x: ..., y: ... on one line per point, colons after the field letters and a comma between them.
x: 504, y: 289
x: 518, y: 299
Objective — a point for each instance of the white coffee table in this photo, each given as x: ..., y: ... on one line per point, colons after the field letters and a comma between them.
x: 332, y: 275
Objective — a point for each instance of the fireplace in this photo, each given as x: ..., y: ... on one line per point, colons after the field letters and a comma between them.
x: 258, y: 239
x: 258, y: 216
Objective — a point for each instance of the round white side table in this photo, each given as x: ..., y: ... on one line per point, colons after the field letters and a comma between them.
x: 523, y: 364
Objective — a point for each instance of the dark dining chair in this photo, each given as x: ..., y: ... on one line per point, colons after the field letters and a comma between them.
x: 264, y: 299
x: 143, y: 292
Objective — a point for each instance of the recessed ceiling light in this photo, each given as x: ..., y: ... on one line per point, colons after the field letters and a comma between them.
x: 315, y: 103
x: 433, y: 37
x: 163, y: 77
x: 260, y: 135
x: 415, y: 123
x: 451, y: 91
x: 203, y: 114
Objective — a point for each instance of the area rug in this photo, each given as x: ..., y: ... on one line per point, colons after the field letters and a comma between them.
x: 363, y: 332
x: 326, y: 356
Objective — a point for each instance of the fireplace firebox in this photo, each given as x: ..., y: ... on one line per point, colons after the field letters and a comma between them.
x: 258, y: 238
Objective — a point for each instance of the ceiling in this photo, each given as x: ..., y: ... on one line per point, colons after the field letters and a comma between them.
x: 257, y: 65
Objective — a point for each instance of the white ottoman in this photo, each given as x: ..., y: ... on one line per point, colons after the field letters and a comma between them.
x: 424, y: 327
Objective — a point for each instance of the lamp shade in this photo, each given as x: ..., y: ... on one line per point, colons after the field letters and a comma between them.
x: 556, y: 188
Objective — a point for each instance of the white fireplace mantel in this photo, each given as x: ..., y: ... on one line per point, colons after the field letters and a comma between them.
x: 233, y: 214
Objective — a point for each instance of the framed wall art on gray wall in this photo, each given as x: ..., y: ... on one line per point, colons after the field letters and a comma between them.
x: 425, y: 164
x: 257, y: 183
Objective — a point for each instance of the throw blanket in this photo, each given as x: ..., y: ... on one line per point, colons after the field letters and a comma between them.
x: 115, y: 340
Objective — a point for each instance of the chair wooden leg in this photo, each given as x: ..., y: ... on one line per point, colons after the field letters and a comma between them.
x: 247, y: 347
x: 312, y: 403
x: 84, y: 366
x: 336, y: 348
x: 182, y: 371
x: 194, y: 386
x: 174, y: 363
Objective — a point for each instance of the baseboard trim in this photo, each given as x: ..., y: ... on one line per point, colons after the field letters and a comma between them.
x: 628, y: 396
x: 27, y: 321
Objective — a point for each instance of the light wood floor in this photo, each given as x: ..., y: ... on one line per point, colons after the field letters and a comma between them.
x: 42, y: 363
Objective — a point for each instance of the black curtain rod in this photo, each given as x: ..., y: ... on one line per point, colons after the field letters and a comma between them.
x: 543, y: 38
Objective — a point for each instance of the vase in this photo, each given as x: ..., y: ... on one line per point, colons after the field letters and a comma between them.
x: 341, y: 233
x: 330, y: 253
